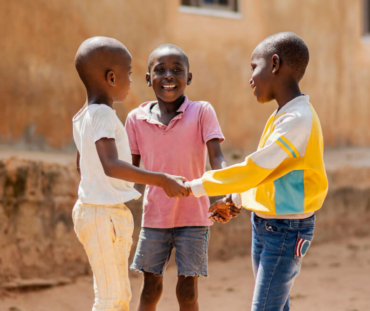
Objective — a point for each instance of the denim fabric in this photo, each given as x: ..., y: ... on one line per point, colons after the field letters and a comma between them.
x: 154, y: 249
x: 277, y: 259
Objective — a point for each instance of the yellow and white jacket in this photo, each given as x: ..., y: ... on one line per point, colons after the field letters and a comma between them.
x: 286, y: 175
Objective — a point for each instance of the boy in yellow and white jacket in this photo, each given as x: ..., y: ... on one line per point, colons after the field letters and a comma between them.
x: 284, y: 181
x: 286, y: 175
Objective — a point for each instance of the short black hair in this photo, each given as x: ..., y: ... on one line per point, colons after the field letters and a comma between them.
x: 290, y: 48
x: 97, y: 54
x: 168, y: 46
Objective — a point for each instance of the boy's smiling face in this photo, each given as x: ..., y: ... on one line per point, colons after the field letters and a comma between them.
x: 261, y: 80
x: 169, y: 74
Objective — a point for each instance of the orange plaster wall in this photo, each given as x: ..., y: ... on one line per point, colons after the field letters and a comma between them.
x: 40, y: 90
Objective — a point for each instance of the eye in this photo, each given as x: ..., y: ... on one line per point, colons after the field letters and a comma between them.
x: 159, y: 70
x: 177, y: 69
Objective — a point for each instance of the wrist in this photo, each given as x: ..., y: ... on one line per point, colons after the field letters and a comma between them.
x: 161, y: 180
x: 236, y: 199
x: 196, y: 187
x: 187, y: 184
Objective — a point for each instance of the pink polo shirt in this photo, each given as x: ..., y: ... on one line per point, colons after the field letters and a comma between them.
x: 178, y: 149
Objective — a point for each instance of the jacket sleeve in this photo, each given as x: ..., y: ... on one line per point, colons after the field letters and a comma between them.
x: 288, y: 140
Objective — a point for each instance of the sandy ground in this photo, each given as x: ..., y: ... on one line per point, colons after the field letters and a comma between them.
x: 335, y: 277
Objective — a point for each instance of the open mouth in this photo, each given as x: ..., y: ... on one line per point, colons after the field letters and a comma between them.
x: 168, y: 87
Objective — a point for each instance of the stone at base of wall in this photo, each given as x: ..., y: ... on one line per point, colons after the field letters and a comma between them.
x: 37, y: 239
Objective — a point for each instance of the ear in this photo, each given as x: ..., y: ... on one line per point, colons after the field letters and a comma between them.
x: 190, y: 78
x: 111, y: 78
x: 275, y: 63
x: 147, y: 77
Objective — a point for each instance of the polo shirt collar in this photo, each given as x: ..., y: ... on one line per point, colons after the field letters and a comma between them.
x: 144, y: 109
x: 184, y: 105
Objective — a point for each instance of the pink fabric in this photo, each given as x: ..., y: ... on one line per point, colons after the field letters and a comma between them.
x: 178, y: 149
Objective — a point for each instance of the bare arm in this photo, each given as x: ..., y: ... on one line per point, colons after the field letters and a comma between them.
x: 222, y: 210
x: 113, y: 167
x: 78, y: 163
x: 216, y: 158
x: 136, y: 159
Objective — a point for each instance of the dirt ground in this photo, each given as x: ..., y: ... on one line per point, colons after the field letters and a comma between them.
x: 335, y: 277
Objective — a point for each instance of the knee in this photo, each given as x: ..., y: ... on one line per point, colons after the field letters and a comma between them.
x: 152, y: 289
x: 187, y: 293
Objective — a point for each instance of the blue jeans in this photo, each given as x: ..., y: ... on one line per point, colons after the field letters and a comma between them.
x: 278, y: 246
x: 154, y: 249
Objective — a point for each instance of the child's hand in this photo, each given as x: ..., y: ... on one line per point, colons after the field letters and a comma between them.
x: 235, y: 211
x: 189, y: 189
x: 174, y: 186
x: 220, y: 211
x: 223, y: 210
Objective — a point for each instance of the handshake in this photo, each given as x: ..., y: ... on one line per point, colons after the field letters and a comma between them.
x: 174, y: 186
x: 221, y: 211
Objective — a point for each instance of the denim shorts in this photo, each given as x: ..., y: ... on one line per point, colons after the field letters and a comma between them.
x: 154, y: 249
x: 278, y: 247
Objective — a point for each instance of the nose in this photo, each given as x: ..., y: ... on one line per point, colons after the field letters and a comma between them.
x: 169, y: 75
x: 251, y: 81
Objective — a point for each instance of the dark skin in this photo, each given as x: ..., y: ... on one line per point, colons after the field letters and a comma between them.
x: 223, y: 210
x: 169, y: 76
x: 271, y: 79
x: 113, y: 88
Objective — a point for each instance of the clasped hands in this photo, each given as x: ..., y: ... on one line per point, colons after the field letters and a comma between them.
x: 221, y: 211
x: 175, y: 187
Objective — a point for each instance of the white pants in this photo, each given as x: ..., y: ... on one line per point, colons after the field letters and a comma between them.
x: 105, y: 231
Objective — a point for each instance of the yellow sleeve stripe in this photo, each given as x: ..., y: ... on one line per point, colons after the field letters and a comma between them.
x: 290, y: 146
x: 286, y: 145
x: 283, y: 146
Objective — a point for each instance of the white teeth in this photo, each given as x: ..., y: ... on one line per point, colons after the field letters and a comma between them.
x: 169, y: 86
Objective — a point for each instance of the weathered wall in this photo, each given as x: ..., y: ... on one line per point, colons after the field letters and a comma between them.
x: 40, y: 90
x: 37, y: 239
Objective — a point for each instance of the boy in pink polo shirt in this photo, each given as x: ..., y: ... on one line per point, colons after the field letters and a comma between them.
x: 172, y: 135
